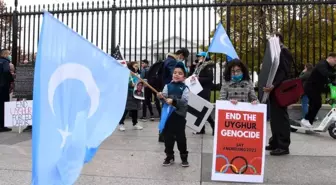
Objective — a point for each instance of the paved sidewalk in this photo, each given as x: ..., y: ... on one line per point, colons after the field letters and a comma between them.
x: 135, y: 157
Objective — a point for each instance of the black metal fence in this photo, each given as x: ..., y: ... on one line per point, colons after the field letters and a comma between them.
x: 152, y: 28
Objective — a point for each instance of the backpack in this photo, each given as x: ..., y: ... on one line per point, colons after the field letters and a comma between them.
x: 155, y: 75
x: 294, y: 72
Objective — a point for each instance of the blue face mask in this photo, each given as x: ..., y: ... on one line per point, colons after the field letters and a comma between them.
x: 237, y: 78
x: 9, y: 57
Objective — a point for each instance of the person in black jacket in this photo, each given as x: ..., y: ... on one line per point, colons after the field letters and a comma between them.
x: 204, y: 73
x: 170, y: 62
x: 321, y: 75
x: 280, y: 126
x: 6, y: 82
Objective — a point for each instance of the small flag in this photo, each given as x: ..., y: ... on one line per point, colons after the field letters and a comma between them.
x: 221, y: 43
x: 167, y: 110
x: 74, y: 85
x: 116, y: 54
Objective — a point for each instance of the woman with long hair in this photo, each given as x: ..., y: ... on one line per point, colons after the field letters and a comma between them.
x: 132, y: 104
x: 237, y: 85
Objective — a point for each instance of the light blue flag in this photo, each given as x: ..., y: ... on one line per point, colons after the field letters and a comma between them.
x: 165, y: 113
x: 79, y: 98
x: 221, y: 43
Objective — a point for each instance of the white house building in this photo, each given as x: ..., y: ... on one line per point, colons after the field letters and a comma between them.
x: 159, y: 49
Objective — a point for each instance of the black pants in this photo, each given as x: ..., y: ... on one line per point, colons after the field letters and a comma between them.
x: 175, y: 131
x: 280, y: 126
x: 148, y: 103
x: 315, y: 103
x: 4, y: 97
x: 134, y: 115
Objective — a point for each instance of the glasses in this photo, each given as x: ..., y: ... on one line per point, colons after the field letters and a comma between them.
x: 238, y: 71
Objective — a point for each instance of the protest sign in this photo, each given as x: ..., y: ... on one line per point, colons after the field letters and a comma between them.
x: 18, y: 113
x: 239, y: 142
x: 199, y: 111
x: 193, y: 84
x: 139, y: 91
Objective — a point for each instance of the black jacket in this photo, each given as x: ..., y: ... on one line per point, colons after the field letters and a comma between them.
x: 283, y: 73
x: 321, y: 75
x: 6, y: 77
x: 205, y: 79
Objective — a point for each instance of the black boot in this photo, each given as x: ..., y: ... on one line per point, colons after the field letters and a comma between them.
x: 168, y: 160
x: 184, y: 158
x: 279, y: 152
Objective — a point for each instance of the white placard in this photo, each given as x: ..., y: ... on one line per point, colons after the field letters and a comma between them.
x: 18, y: 113
x: 239, y: 142
x: 275, y: 50
x: 193, y: 84
x: 198, y: 112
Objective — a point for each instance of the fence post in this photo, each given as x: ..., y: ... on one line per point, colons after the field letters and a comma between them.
x: 15, y: 34
x: 113, y: 27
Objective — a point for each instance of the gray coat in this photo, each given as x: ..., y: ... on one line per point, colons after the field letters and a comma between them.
x: 132, y: 103
x: 242, y: 91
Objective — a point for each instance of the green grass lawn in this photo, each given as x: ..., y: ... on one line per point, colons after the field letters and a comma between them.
x: 216, y: 94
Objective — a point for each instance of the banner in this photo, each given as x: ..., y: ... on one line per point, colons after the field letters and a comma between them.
x: 198, y: 112
x: 18, y: 113
x: 239, y: 142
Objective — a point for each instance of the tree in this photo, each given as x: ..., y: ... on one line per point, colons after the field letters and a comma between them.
x: 312, y: 36
x: 5, y: 26
x: 251, y: 25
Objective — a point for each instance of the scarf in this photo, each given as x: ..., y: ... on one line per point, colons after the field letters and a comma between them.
x: 200, y: 66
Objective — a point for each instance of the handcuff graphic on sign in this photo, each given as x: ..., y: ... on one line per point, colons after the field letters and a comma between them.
x: 234, y: 168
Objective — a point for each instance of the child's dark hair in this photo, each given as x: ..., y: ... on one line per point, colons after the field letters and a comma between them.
x: 240, y: 64
x: 130, y: 66
x: 182, y: 67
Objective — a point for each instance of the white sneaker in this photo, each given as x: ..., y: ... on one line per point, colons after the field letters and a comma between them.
x: 305, y: 123
x: 122, y: 128
x: 137, y: 127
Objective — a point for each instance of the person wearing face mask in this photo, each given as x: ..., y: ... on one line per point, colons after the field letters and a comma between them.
x: 237, y: 85
x: 204, y: 73
x: 6, y: 82
x: 170, y: 62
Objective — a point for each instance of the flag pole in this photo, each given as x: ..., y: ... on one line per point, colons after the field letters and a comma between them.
x: 143, y: 81
x: 147, y: 84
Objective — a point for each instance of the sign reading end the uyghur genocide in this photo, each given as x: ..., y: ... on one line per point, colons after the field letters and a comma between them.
x: 18, y: 113
x: 239, y: 142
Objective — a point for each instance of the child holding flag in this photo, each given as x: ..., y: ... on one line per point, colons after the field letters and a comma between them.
x: 176, y: 94
x: 132, y: 104
x: 237, y: 85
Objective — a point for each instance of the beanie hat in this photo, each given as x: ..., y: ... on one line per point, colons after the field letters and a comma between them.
x: 183, y: 67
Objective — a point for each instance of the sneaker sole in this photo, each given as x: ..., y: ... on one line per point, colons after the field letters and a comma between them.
x: 183, y: 165
x: 171, y: 163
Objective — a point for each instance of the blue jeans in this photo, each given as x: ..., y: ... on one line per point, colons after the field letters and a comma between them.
x: 304, y: 105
